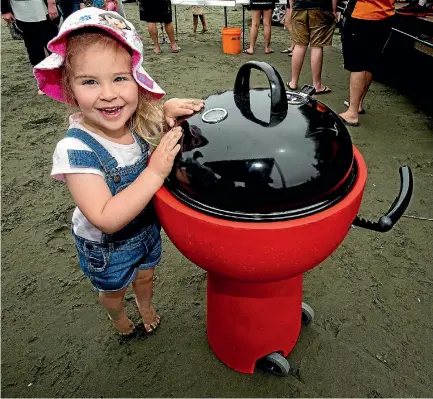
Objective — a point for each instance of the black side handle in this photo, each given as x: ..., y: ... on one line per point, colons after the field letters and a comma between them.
x: 397, y: 208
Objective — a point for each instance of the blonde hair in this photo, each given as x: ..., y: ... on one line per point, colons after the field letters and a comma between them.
x: 148, y: 119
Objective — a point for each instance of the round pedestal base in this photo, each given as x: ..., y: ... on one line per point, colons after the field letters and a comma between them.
x: 247, y: 321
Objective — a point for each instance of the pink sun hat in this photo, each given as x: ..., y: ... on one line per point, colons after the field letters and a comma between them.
x: 48, y: 73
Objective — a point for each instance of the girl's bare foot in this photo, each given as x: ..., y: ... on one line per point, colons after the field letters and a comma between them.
x: 150, y: 318
x: 123, y: 326
x: 41, y: 93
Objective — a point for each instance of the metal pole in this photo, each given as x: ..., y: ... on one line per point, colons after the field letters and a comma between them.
x: 225, y: 16
x: 243, y: 27
x: 175, y: 19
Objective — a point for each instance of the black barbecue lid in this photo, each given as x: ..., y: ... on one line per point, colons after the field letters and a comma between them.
x: 262, y: 153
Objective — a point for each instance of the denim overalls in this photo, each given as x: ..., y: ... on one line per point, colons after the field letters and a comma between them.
x: 112, y: 264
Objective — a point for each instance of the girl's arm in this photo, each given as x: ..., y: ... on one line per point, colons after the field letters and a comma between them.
x: 111, y: 213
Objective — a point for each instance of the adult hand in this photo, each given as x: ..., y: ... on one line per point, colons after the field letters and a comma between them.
x: 176, y: 107
x: 8, y: 17
x: 52, y: 10
x: 161, y: 161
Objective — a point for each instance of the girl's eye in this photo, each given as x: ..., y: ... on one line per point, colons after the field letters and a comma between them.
x: 89, y: 82
x: 121, y: 79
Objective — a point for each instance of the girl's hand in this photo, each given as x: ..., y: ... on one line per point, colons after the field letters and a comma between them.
x: 176, y: 107
x: 161, y: 161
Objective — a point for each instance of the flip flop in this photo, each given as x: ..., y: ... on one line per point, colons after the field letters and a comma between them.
x: 325, y: 90
x: 351, y: 124
x: 269, y: 52
x: 362, y: 112
x: 175, y: 50
x: 291, y: 88
x: 287, y: 51
x: 247, y: 52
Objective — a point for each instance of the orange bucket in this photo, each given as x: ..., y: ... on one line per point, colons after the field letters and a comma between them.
x: 232, y: 40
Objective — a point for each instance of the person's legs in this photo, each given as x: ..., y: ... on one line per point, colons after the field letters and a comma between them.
x: 288, y: 26
x: 358, y: 90
x: 322, y: 25
x: 153, y: 32
x: 113, y: 303
x: 316, y: 67
x: 267, y: 30
x: 297, y: 62
x: 255, y: 24
x: 203, y: 23
x: 194, y: 23
x: 169, y: 28
x: 32, y: 41
x: 301, y: 39
x: 143, y: 288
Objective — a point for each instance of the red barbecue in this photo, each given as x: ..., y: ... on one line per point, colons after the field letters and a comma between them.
x: 266, y: 187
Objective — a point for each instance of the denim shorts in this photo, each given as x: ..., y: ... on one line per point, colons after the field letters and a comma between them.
x: 112, y: 266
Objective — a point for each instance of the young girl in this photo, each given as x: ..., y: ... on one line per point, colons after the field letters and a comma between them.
x: 198, y: 12
x: 104, y: 158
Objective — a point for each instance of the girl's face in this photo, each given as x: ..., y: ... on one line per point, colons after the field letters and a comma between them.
x: 104, y: 88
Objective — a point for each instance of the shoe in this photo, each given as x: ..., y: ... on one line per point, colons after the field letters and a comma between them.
x: 413, y: 10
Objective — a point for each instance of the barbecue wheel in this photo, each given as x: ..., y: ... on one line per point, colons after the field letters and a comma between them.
x: 276, y: 364
x: 307, y: 314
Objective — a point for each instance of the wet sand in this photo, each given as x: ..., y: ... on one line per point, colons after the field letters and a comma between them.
x: 372, y: 336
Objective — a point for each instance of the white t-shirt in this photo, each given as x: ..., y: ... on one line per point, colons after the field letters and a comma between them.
x: 125, y: 155
x: 29, y: 10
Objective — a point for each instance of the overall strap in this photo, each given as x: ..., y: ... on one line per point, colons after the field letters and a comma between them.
x: 100, y: 157
x: 144, y: 145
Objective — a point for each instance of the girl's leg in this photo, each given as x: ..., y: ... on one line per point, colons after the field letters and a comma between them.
x: 255, y: 24
x: 194, y: 23
x: 143, y: 288
x: 267, y: 29
x: 113, y: 303
x: 203, y: 23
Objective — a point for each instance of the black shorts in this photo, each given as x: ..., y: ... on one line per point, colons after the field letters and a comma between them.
x: 156, y: 11
x: 363, y: 42
x: 262, y: 5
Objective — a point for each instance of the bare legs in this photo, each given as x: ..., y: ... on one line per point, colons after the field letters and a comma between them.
x: 316, y: 66
x: 153, y: 32
x: 359, y: 85
x: 267, y: 30
x: 195, y: 23
x: 297, y: 62
x: 143, y: 288
x: 113, y: 303
x: 254, y: 30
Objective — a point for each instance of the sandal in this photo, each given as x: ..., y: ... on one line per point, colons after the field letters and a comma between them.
x: 247, y: 52
x: 325, y: 90
x: 362, y: 112
x: 291, y: 88
x: 287, y: 51
x: 269, y: 52
x: 175, y: 50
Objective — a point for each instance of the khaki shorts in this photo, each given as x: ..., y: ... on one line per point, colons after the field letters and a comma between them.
x: 312, y: 27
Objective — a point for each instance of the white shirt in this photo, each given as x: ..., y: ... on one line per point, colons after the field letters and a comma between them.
x: 29, y: 10
x: 125, y: 155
